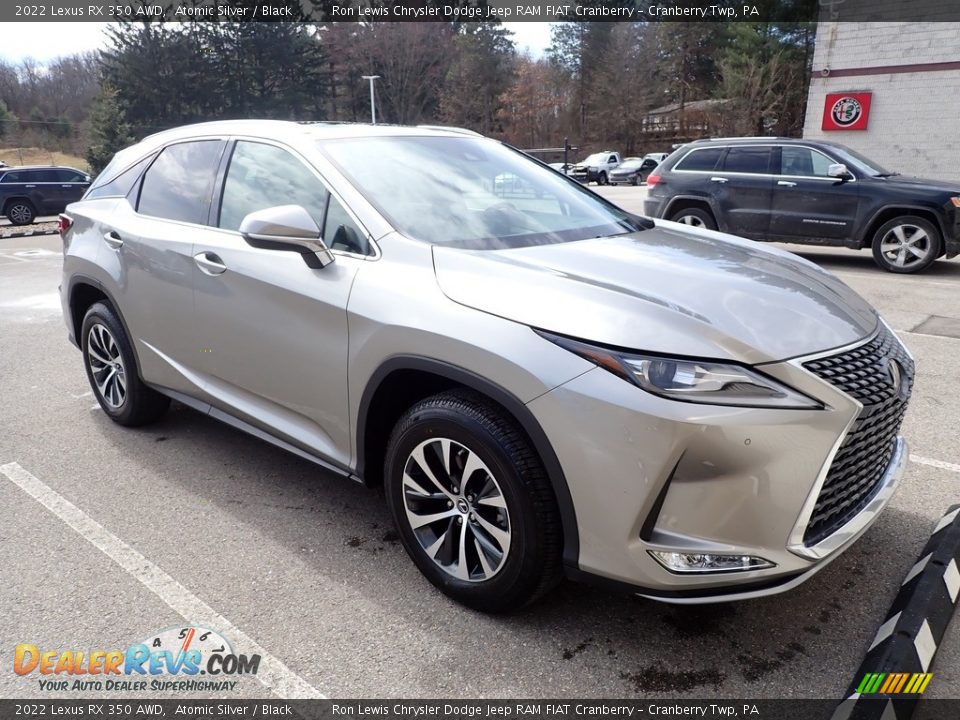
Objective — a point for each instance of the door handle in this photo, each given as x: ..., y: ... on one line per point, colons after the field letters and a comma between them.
x: 113, y: 240
x: 718, y: 179
x: 66, y: 186
x: 30, y: 186
x: 209, y: 263
x: 786, y: 183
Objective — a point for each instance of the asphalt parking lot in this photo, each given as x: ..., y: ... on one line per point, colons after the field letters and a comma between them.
x: 110, y: 535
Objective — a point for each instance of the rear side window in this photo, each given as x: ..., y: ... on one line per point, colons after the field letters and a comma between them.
x: 178, y: 185
x: 755, y: 160
x: 11, y: 177
x: 122, y: 183
x: 262, y: 176
x: 704, y: 160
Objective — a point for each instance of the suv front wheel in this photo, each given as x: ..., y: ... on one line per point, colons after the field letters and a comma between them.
x: 906, y: 244
x: 472, y: 502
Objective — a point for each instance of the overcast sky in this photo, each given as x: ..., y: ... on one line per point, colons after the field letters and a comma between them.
x: 44, y: 41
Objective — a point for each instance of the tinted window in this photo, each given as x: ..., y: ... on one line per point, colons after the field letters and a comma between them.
x: 122, y: 183
x: 70, y: 176
x: 340, y: 232
x: 178, y: 184
x: 705, y: 159
x: 11, y: 177
x: 747, y: 160
x: 262, y: 176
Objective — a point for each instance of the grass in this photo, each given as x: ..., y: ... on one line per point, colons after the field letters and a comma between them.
x: 38, y: 156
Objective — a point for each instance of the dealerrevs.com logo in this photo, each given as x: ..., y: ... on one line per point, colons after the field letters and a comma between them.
x: 200, y: 659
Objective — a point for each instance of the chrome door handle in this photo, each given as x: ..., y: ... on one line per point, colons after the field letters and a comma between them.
x: 718, y: 179
x: 113, y: 240
x: 209, y: 263
x: 66, y: 186
x: 786, y: 183
x: 30, y: 186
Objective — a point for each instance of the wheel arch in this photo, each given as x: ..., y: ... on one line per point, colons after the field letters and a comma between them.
x: 889, y: 212
x: 687, y: 201
x: 14, y: 198
x: 82, y: 292
x: 403, y: 380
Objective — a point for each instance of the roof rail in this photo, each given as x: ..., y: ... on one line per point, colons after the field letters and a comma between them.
x: 745, y: 137
x: 451, y: 128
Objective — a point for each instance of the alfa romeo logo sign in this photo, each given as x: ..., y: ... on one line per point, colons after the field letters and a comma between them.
x: 846, y: 111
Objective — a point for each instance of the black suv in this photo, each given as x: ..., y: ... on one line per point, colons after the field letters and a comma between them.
x: 26, y: 192
x: 812, y: 192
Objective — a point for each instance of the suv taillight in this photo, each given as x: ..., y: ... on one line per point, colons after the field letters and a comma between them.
x: 652, y: 180
x: 64, y: 223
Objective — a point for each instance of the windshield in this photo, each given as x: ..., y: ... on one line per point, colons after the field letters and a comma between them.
x: 630, y: 164
x: 596, y: 158
x: 858, y: 161
x: 472, y: 192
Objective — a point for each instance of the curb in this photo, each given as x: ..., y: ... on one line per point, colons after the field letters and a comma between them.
x: 894, y: 673
x: 29, y: 233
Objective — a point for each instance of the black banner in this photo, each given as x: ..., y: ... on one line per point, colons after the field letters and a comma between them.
x: 477, y: 11
x: 565, y: 709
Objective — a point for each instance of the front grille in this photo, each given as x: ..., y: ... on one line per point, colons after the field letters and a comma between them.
x: 859, y: 465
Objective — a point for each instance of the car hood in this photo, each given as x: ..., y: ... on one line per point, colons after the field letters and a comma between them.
x: 665, y: 290
x: 915, y: 183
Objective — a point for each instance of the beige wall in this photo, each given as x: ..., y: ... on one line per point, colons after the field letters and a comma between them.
x: 914, y: 123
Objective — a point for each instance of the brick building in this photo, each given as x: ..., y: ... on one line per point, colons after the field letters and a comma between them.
x: 911, y: 71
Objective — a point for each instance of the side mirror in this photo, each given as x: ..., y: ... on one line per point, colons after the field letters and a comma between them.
x: 838, y: 170
x: 287, y: 227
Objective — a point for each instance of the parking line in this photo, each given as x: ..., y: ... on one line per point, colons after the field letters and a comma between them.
x: 273, y: 673
x: 952, y: 467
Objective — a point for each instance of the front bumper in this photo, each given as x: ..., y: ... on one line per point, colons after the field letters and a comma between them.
x: 647, y: 473
x: 584, y: 176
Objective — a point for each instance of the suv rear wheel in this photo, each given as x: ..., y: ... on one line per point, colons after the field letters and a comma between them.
x: 112, y: 370
x: 695, y: 217
x: 472, y: 502
x: 906, y: 244
x: 20, y: 212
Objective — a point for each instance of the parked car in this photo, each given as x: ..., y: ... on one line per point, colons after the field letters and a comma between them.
x: 528, y: 375
x: 596, y: 168
x: 632, y: 171
x: 29, y: 191
x: 805, y: 191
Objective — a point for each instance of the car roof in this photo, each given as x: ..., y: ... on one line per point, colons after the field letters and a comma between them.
x: 9, y: 168
x: 707, y: 142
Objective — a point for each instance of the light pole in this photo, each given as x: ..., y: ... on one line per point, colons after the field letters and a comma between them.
x: 373, y: 107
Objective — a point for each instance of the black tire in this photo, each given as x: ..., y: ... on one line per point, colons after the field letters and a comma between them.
x: 140, y: 404
x: 20, y: 212
x: 636, y: 180
x: 531, y: 566
x: 695, y: 217
x: 602, y: 179
x: 887, y: 237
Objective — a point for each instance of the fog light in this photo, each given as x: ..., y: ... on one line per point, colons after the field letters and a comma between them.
x: 708, y: 562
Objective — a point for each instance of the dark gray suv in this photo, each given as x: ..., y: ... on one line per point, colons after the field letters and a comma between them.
x: 29, y: 191
x: 803, y: 191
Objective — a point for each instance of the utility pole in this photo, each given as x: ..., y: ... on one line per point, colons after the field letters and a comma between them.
x: 373, y: 107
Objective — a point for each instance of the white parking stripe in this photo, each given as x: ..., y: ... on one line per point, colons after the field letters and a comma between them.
x: 952, y: 467
x: 276, y: 676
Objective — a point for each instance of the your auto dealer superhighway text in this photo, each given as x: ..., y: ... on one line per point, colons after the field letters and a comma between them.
x: 421, y: 710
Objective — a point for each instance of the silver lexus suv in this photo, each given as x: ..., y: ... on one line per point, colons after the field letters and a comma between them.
x: 543, y: 383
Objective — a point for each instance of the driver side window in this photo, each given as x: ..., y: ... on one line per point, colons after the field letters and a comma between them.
x: 262, y: 176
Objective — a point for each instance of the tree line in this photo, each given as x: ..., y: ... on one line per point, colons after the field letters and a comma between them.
x: 595, y: 84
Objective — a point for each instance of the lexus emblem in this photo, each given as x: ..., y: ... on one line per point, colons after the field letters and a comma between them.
x: 896, y: 375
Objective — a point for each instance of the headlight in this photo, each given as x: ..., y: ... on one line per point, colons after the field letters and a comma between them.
x: 696, y: 381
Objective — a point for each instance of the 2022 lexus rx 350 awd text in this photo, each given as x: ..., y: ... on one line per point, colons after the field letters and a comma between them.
x: 543, y: 383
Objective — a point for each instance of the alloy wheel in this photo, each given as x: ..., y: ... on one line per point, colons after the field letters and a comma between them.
x: 691, y: 220
x: 905, y: 245
x: 456, y: 509
x: 106, y: 365
x: 20, y: 214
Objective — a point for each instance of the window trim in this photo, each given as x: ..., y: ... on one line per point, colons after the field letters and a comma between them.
x: 723, y: 154
x: 776, y: 147
x: 138, y: 184
x: 214, y: 219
